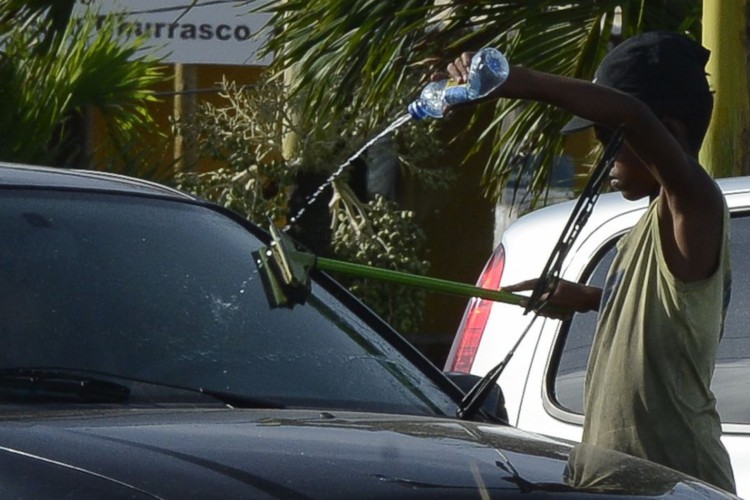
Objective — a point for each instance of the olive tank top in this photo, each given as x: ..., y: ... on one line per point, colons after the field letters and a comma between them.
x: 647, y: 390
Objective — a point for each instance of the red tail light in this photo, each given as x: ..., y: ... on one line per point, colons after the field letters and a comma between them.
x: 470, y: 332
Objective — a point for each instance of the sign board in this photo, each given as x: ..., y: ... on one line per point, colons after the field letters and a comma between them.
x: 190, y: 31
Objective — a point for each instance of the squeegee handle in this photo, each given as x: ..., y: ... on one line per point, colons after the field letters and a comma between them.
x: 433, y: 284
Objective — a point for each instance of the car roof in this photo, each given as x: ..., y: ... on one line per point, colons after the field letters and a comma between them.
x: 17, y: 175
x: 734, y: 184
x: 611, y: 204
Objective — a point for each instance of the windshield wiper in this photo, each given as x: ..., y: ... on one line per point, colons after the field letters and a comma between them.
x: 239, y: 400
x: 45, y: 384
x: 547, y: 282
x: 29, y: 385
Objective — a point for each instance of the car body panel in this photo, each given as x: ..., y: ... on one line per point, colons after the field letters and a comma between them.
x: 529, y: 263
x: 46, y: 177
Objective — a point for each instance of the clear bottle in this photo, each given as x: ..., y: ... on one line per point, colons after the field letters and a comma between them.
x: 489, y: 69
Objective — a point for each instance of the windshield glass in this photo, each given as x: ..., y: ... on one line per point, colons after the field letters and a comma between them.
x: 168, y: 292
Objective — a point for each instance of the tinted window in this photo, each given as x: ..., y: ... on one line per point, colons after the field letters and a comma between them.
x: 571, y: 371
x: 733, y: 357
x: 169, y: 292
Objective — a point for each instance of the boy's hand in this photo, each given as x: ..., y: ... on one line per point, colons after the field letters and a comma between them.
x: 567, y: 298
x: 459, y: 68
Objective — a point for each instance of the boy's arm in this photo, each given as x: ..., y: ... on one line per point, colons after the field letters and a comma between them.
x: 690, y: 206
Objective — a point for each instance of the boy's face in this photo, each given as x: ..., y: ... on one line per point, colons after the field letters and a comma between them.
x: 629, y: 175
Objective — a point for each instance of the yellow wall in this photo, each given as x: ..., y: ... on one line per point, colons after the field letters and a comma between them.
x: 203, y: 88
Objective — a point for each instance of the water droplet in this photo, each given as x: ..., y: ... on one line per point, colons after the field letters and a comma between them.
x: 313, y: 198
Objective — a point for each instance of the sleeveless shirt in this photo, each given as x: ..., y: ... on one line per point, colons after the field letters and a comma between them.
x: 647, y: 390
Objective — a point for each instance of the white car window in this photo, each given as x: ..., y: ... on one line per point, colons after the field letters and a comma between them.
x: 733, y: 357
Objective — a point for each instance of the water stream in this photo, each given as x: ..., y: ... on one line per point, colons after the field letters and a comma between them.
x: 313, y: 197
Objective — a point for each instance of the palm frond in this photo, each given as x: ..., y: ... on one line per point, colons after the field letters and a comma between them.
x: 50, y: 74
x: 375, y: 54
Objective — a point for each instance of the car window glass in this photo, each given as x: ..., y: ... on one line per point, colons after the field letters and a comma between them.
x: 169, y: 292
x: 732, y: 370
x: 733, y: 356
x: 574, y: 357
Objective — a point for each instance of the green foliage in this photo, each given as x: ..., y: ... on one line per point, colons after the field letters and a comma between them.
x: 245, y: 137
x: 371, y: 51
x: 379, y: 234
x: 53, y: 68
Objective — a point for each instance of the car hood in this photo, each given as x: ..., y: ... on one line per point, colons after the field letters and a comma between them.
x: 298, y: 454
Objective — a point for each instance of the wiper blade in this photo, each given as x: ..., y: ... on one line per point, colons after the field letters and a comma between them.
x: 45, y: 384
x: 547, y: 282
x: 473, y: 400
x: 28, y: 385
x: 550, y: 276
x: 239, y: 400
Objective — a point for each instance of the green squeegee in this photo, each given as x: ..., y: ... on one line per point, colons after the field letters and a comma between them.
x: 285, y: 271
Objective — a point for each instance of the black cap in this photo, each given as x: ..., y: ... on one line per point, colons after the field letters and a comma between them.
x: 654, y: 66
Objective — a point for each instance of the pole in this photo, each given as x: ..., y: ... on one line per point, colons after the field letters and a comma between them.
x: 425, y: 282
x: 726, y: 147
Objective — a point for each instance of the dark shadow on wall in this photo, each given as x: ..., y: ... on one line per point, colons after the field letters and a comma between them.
x: 459, y: 227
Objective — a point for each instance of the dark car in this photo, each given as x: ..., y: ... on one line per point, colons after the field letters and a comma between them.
x: 141, y: 359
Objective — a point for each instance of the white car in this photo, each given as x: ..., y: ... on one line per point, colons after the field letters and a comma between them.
x: 543, y: 381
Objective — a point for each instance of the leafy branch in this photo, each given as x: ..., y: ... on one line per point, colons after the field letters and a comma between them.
x: 251, y: 172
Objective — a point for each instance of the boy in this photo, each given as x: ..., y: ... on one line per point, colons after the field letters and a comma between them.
x: 661, y: 313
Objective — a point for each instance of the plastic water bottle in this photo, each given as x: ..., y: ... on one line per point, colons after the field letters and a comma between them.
x: 489, y: 69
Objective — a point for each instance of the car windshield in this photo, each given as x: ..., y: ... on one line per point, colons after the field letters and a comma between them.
x: 168, y: 292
